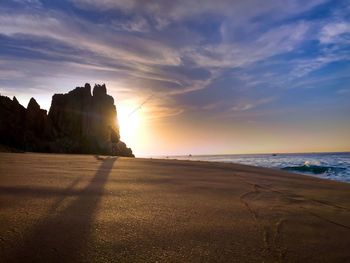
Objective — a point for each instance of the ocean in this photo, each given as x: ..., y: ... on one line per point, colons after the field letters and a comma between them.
x: 333, y: 166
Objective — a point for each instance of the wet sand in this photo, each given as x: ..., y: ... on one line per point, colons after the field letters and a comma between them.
x: 76, y: 208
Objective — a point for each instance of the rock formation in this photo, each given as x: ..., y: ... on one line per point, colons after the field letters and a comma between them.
x: 12, y: 119
x: 78, y: 122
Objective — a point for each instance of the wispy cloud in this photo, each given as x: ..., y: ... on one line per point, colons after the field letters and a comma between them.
x: 32, y: 3
x: 335, y: 32
x: 270, y: 43
x: 184, y: 52
x: 182, y: 9
x: 135, y: 24
x: 244, y: 106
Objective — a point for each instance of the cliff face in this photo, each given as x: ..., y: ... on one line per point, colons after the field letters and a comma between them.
x: 12, y: 122
x: 78, y: 122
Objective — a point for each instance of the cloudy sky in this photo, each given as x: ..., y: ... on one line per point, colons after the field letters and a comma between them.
x: 214, y: 77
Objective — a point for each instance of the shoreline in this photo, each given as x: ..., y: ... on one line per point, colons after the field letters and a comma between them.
x: 199, y: 161
x: 101, y: 208
x: 319, y: 165
x: 203, y: 161
x: 234, y: 154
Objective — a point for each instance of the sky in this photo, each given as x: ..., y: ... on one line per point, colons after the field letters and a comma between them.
x: 205, y: 77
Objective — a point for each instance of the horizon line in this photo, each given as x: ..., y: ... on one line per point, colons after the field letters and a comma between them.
x: 192, y: 155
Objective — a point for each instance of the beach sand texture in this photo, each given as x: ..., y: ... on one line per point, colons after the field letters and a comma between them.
x: 81, y: 208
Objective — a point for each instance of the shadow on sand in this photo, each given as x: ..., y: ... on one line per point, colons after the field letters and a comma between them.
x: 63, y: 236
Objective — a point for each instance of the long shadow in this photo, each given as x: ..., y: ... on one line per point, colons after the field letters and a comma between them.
x: 45, y: 192
x: 39, y: 192
x: 63, y: 236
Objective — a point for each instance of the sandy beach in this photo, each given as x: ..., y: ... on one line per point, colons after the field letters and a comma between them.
x: 80, y: 208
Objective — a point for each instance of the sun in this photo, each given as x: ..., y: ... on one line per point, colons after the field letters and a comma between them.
x: 129, y: 120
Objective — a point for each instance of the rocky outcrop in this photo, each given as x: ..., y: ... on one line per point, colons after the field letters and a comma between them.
x: 12, y: 122
x: 38, y: 129
x: 78, y: 122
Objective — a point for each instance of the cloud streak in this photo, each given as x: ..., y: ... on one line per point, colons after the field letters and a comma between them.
x: 181, y: 51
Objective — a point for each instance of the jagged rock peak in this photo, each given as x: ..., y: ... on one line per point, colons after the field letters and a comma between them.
x: 15, y: 100
x: 78, y: 122
x: 33, y: 105
x: 99, y: 90
x: 84, y: 91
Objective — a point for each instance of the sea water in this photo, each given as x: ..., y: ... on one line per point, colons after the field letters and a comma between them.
x: 334, y: 166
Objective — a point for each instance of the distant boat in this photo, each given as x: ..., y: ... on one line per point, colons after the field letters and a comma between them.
x: 274, y: 154
x: 190, y: 155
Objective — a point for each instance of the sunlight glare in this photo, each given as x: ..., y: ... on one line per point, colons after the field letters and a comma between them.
x: 129, y: 120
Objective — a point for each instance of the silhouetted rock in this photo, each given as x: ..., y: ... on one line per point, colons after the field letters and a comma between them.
x: 37, y: 128
x: 123, y: 150
x: 78, y: 122
x: 12, y: 119
x: 84, y: 121
x: 35, y: 117
x: 99, y: 90
x: 70, y: 112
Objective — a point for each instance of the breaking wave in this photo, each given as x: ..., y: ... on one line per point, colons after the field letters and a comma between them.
x: 334, y: 166
x: 314, y: 169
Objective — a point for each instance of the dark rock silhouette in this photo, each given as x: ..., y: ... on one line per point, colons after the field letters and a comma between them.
x: 12, y: 123
x: 77, y: 122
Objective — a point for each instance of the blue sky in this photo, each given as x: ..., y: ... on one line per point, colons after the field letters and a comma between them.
x: 251, y: 72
